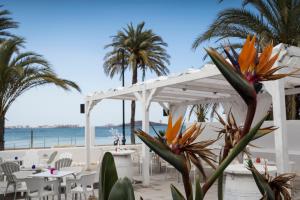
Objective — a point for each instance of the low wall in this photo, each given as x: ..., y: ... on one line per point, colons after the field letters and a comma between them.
x: 265, y: 146
x: 78, y: 153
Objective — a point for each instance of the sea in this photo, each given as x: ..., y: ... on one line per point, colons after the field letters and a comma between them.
x: 18, y: 138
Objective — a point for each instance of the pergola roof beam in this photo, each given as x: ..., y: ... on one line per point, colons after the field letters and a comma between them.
x: 196, y: 93
x: 206, y: 88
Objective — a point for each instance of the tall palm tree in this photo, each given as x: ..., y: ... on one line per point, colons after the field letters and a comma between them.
x: 143, y: 49
x: 201, y: 111
x: 20, y: 72
x: 276, y: 21
x: 6, y: 23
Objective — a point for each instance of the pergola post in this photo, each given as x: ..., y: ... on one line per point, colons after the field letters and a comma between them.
x: 277, y: 91
x: 87, y: 134
x: 145, y: 99
x: 145, y: 148
x: 177, y: 111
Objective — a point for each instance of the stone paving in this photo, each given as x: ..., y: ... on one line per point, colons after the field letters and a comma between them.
x: 160, y: 189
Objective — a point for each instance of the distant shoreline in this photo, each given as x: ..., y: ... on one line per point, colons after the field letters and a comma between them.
x: 137, y: 123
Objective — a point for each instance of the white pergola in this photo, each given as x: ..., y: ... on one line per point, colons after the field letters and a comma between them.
x: 200, y: 86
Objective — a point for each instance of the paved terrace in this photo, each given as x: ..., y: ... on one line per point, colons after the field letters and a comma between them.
x: 159, y: 188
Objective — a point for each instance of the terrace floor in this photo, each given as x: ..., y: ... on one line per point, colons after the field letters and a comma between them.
x: 159, y: 189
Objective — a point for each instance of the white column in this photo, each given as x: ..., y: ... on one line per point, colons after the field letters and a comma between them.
x: 87, y: 135
x: 279, y: 114
x: 93, y: 135
x: 177, y: 111
x: 145, y: 148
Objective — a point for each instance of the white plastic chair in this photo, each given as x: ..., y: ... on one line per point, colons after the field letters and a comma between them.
x: 36, y: 188
x: 63, y: 162
x: 65, y: 155
x: 81, y: 185
x: 8, y: 169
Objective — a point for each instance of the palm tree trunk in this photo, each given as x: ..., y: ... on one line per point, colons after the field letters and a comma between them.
x: 132, y: 120
x: 2, y: 129
x: 291, y: 107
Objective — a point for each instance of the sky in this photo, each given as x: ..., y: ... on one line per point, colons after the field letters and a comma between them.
x: 71, y: 35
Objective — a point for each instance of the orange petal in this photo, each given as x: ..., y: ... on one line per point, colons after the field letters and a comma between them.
x: 188, y: 133
x: 265, y: 68
x: 247, y: 55
x: 264, y: 57
x: 244, y: 54
x: 176, y: 127
x: 252, y: 52
x: 169, y: 129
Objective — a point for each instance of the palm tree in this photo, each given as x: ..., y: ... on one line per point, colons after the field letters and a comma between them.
x: 20, y: 72
x: 143, y: 49
x: 276, y: 21
x: 202, y: 110
x: 6, y: 23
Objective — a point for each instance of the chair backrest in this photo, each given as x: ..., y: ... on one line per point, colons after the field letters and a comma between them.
x: 65, y: 155
x: 87, y: 180
x: 37, y: 184
x: 52, y: 157
x: 63, y: 162
x: 8, y: 169
x: 34, y: 184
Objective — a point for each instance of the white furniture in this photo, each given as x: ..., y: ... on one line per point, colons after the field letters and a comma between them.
x: 65, y: 155
x: 123, y: 163
x: 59, y: 175
x: 36, y: 188
x: 62, y: 163
x: 9, y: 168
x: 82, y: 185
x: 239, y: 182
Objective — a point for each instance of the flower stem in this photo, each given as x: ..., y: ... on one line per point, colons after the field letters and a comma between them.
x: 187, y: 186
x: 249, y: 117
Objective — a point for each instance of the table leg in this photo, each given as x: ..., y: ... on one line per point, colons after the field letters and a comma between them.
x: 59, y: 189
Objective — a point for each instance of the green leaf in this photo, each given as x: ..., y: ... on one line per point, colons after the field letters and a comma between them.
x: 122, y: 190
x: 198, y: 190
x: 220, y: 187
x: 262, y: 132
x: 261, y: 183
x: 176, y: 195
x: 239, y: 83
x: 178, y: 161
x: 108, y: 176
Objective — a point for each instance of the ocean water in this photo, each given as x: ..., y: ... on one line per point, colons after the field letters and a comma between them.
x: 48, y: 137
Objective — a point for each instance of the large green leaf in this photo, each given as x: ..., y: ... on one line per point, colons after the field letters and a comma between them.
x: 261, y: 183
x: 122, y: 190
x: 178, y: 161
x: 220, y: 187
x: 108, y: 176
x: 239, y: 83
x: 263, y: 132
x: 176, y: 194
x: 198, y: 190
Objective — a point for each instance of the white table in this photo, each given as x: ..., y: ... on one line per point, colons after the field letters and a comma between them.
x: 239, y: 182
x: 21, y: 175
x: 60, y: 174
x: 123, y: 163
